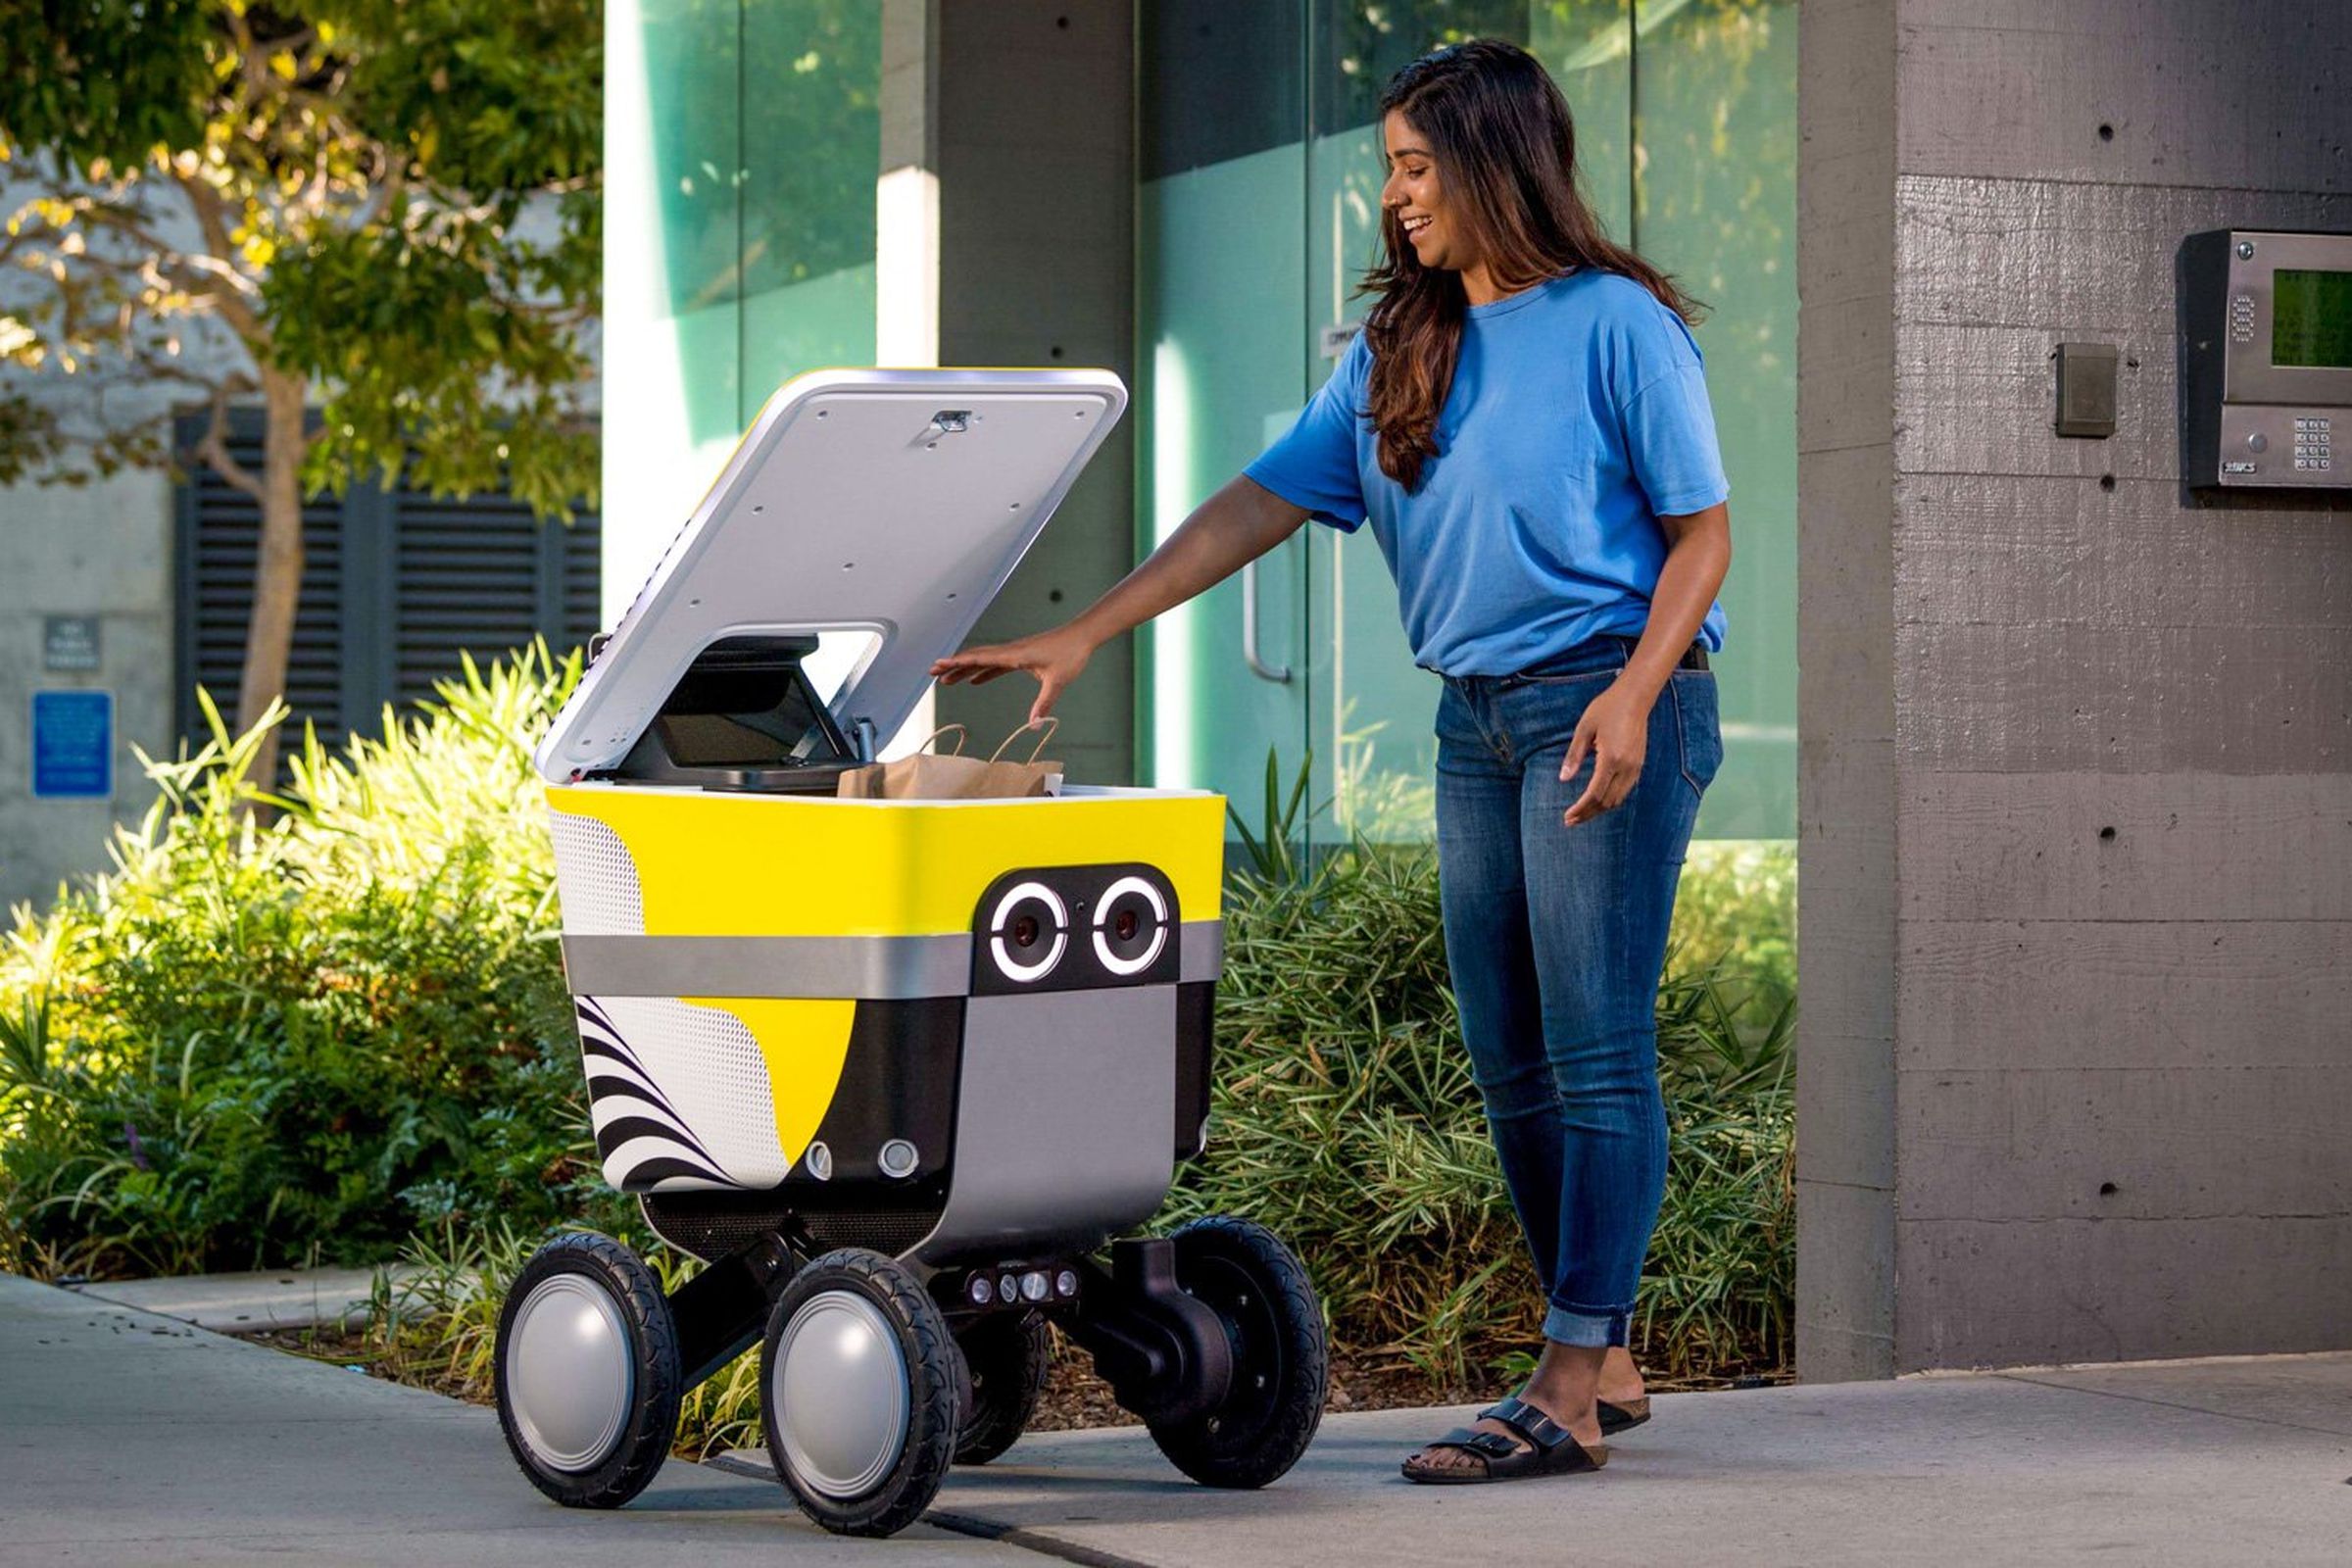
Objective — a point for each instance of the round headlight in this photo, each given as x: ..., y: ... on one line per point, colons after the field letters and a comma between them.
x: 1028, y: 931
x: 1130, y: 926
x: 981, y: 1289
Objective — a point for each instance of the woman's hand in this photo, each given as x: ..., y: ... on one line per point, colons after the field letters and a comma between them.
x: 1054, y: 656
x: 1615, y: 731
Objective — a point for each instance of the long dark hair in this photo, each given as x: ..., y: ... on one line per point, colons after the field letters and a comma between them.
x: 1505, y: 149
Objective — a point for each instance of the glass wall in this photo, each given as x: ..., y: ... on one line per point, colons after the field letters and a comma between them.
x: 1257, y: 213
x: 742, y: 141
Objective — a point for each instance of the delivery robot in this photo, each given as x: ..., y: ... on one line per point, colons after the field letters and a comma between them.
x: 900, y: 1072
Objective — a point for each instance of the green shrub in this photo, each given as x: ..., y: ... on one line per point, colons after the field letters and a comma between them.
x: 297, y: 1032
x: 342, y: 1027
x: 1344, y: 1116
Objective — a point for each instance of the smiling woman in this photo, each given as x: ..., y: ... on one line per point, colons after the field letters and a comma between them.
x: 1524, y: 422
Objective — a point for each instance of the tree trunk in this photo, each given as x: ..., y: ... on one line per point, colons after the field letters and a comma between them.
x: 278, y: 565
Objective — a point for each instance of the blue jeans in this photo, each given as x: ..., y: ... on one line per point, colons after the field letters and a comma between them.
x: 1555, y: 936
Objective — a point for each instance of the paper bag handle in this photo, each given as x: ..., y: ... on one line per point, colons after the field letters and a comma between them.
x: 1045, y: 729
x: 961, y: 733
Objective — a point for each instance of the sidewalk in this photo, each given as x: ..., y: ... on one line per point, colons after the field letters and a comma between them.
x: 128, y: 1438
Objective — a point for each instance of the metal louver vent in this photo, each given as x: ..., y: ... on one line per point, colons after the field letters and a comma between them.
x: 396, y: 585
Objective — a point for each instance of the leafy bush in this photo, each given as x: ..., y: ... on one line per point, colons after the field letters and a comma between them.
x: 297, y: 1032
x: 1344, y: 1116
x: 342, y: 1027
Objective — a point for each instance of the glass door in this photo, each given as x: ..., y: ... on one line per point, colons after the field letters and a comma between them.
x: 1224, y: 681
x: 1258, y: 214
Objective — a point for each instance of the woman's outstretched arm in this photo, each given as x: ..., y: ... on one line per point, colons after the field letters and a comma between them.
x: 1224, y: 533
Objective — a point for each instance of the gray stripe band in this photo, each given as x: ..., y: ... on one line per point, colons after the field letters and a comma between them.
x: 878, y: 968
x: 1200, y: 949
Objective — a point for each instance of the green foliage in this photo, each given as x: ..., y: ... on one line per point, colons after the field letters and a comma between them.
x: 103, y: 80
x: 258, y: 1042
x: 1344, y: 1116
x: 395, y: 201
x: 345, y: 1030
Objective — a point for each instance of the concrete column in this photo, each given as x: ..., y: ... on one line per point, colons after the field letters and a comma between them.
x: 2075, y: 769
x: 1015, y: 118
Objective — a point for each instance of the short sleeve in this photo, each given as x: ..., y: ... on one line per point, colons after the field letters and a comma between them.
x: 1313, y: 464
x: 1669, y: 424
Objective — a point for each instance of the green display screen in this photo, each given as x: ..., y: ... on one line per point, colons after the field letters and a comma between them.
x: 2311, y: 318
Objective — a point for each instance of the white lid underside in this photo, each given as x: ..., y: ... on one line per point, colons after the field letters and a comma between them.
x: 851, y: 505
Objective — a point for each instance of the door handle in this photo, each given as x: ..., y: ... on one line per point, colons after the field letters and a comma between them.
x: 1257, y: 666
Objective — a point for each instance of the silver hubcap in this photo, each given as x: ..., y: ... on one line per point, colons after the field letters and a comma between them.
x: 840, y: 1392
x: 569, y: 1374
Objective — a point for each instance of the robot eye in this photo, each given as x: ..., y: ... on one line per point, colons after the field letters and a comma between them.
x: 1130, y: 926
x: 1028, y: 932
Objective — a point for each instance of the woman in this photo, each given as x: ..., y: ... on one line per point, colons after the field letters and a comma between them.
x: 1525, y: 421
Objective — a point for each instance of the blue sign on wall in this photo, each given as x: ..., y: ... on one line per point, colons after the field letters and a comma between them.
x: 73, y: 745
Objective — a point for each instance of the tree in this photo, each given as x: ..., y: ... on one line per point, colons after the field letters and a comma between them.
x: 390, y: 205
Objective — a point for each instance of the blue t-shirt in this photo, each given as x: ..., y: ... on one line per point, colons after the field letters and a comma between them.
x: 1578, y: 416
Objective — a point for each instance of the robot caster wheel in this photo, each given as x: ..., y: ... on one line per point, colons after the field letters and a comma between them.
x: 586, y: 1372
x: 1008, y: 1355
x: 1281, y: 1358
x: 857, y: 1389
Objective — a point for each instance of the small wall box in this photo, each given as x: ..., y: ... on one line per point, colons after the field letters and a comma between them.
x: 2266, y: 359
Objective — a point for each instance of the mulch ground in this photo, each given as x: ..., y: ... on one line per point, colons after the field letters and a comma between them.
x: 1074, y: 1398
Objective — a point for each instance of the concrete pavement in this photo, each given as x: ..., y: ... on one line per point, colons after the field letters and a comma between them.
x: 250, y: 1303
x: 128, y: 1438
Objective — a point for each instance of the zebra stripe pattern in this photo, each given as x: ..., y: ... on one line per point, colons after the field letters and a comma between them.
x: 641, y: 1137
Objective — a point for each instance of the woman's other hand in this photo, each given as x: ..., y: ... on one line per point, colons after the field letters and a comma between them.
x: 1615, y: 733
x: 1054, y: 656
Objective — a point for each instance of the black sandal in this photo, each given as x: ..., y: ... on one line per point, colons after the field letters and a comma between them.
x: 1615, y: 1418
x: 1551, y: 1451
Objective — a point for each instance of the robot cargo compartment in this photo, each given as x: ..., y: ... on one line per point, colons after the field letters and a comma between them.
x: 729, y: 953
x: 647, y: 861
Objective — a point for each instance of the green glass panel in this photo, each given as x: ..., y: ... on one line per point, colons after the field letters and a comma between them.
x: 1587, y: 46
x: 1218, y: 367
x: 1357, y: 45
x: 1715, y: 84
x: 691, y: 51
x: 1231, y: 348
x: 1372, y: 706
x: 811, y: 149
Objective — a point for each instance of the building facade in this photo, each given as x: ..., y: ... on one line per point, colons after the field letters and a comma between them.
x: 1186, y: 193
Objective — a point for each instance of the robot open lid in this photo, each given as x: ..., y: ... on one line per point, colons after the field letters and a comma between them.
x: 898, y: 1071
x: 875, y: 508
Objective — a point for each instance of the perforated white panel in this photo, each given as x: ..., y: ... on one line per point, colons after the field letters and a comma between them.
x: 708, y: 1070
x: 596, y: 878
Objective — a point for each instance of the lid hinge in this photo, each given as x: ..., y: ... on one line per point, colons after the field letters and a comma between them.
x: 861, y: 736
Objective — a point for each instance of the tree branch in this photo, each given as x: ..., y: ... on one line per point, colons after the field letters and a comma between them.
x: 214, y: 448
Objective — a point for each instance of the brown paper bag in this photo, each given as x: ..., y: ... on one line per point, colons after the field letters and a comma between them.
x: 929, y: 775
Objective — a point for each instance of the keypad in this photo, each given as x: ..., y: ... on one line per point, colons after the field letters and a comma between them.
x: 2241, y: 318
x: 2314, y: 434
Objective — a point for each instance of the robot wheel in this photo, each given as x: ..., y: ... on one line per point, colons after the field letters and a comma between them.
x: 859, y: 1389
x: 1281, y: 1358
x: 1008, y: 1354
x: 586, y: 1372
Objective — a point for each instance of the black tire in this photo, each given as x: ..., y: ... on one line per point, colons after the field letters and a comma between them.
x: 651, y: 1420
x: 927, y: 1350
x: 1010, y: 1354
x: 1281, y: 1358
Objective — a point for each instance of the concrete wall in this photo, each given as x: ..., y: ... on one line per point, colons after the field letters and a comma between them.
x: 105, y: 550
x: 2075, y: 777
x: 1032, y: 136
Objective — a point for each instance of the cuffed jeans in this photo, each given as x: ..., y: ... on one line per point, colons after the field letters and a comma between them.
x: 1555, y: 936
